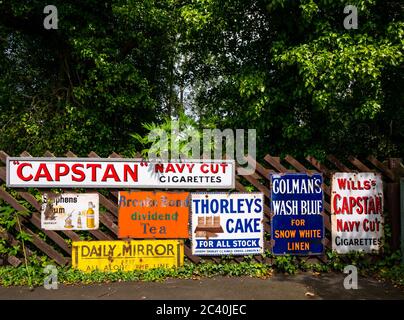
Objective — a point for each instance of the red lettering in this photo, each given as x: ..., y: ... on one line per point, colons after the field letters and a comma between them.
x: 359, y: 209
x: 43, y: 172
x: 190, y: 167
x: 378, y: 205
x: 203, y: 166
x: 110, y: 173
x: 159, y: 167
x: 347, y: 226
x: 341, y: 183
x: 19, y: 171
x: 371, y: 206
x: 365, y: 205
x: 58, y: 172
x: 339, y: 225
x: 214, y: 168
x: 224, y: 166
x: 79, y: 172
x: 180, y: 167
x: 94, y: 167
x: 345, y: 208
x: 336, y: 198
x: 133, y: 173
x: 352, y: 204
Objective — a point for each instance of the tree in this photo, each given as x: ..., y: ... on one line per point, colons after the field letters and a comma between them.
x: 88, y: 84
x: 291, y: 70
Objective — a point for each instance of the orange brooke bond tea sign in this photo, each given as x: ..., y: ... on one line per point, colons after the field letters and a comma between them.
x: 147, y: 214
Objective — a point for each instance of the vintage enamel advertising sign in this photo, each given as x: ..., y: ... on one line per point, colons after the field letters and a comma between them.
x: 127, y: 255
x: 357, y: 212
x: 148, y: 214
x: 297, y: 225
x: 115, y: 172
x: 70, y: 211
x: 227, y: 223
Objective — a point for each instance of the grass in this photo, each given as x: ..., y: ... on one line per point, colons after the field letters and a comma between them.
x: 11, y: 276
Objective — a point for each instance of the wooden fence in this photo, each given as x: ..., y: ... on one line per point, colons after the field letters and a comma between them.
x: 56, y: 244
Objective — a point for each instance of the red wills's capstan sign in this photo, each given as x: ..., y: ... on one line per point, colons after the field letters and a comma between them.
x: 116, y: 172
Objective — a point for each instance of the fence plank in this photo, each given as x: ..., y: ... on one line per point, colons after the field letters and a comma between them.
x: 3, y: 173
x: 44, y: 247
x: 100, y: 235
x: 319, y: 166
x: 108, y: 204
x: 14, y: 242
x: 241, y: 188
x: 302, y: 168
x: 275, y: 162
x: 39, y: 243
x: 49, y: 154
x: 13, y: 260
x: 3, y: 156
x: 109, y: 223
x: 258, y: 167
x: 258, y: 185
x: 338, y: 163
x: 296, y: 164
x: 190, y: 256
x: 384, y: 169
x: 34, y: 219
x: 359, y: 164
x: 70, y: 154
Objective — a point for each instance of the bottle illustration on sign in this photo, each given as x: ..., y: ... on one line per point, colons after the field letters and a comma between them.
x: 79, y: 226
x: 68, y: 221
x: 90, y: 216
x: 208, y: 227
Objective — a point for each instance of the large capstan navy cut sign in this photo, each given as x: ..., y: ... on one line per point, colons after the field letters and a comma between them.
x: 114, y: 173
x: 297, y: 225
x: 227, y: 223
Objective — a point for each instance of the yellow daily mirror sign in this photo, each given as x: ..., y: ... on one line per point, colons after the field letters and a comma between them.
x: 127, y: 255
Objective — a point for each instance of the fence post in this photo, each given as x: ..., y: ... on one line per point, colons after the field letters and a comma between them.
x: 393, y: 201
x: 402, y: 218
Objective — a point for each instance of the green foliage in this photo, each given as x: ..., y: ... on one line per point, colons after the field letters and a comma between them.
x: 90, y: 83
x: 386, y: 268
x: 286, y: 264
x: 9, y: 223
x: 160, y: 138
x: 394, y: 274
x: 19, y: 276
x: 290, y: 70
x: 183, y: 134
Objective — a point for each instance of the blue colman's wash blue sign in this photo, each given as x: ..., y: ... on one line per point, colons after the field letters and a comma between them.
x: 227, y: 223
x: 297, y: 225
